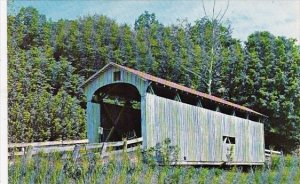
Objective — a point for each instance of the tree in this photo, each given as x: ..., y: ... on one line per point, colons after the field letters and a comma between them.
x: 145, y: 20
x: 26, y: 23
x: 213, y: 24
x: 273, y: 85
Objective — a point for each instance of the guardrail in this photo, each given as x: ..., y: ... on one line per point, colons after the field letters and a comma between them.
x: 49, y: 146
x: 60, y: 146
x: 268, y: 153
x: 121, y: 146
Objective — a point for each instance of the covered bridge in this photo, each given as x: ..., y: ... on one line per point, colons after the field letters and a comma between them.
x: 123, y: 102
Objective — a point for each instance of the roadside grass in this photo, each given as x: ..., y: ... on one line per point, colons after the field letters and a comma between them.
x: 132, y: 168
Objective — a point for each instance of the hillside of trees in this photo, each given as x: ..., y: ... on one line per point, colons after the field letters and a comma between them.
x: 49, y: 60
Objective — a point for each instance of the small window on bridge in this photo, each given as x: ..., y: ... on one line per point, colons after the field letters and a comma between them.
x: 229, y: 140
x: 117, y: 76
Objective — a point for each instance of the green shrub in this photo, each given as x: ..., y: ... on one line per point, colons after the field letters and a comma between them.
x: 163, y: 153
x: 275, y: 161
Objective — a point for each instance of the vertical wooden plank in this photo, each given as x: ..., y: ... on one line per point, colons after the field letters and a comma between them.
x: 218, y: 138
x: 210, y: 133
x: 238, y: 141
x: 149, y: 124
x: 262, y: 145
x: 143, y: 121
x: 205, y: 135
x: 197, y: 134
x: 93, y: 121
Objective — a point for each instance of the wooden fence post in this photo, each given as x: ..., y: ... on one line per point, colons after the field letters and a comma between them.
x: 125, y: 145
x: 23, y: 149
x: 103, y: 149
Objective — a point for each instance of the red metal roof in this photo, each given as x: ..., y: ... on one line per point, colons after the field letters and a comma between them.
x: 177, y: 86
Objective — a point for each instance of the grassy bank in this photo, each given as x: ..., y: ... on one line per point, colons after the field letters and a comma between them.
x: 90, y: 168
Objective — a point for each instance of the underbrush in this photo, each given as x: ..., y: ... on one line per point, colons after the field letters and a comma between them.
x: 89, y: 167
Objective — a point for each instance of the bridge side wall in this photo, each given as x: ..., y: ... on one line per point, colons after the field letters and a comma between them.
x: 199, y: 132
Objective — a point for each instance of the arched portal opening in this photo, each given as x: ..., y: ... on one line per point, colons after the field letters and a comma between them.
x: 120, y: 112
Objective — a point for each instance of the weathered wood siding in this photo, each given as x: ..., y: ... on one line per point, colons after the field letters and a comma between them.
x: 199, y: 132
x: 93, y: 109
x: 93, y: 119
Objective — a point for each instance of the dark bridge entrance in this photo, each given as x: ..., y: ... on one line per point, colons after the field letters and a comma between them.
x: 120, y: 114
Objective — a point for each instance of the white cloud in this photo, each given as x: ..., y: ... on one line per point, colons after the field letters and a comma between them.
x: 281, y: 18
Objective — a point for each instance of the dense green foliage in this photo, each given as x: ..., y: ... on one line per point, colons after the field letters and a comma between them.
x: 90, y: 168
x: 43, y: 92
x: 49, y: 60
x: 273, y: 83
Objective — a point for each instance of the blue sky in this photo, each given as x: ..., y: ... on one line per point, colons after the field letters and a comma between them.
x: 280, y: 17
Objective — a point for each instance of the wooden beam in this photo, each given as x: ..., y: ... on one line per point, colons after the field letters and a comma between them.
x: 99, y: 97
x: 115, y: 123
x: 199, y: 104
x: 48, y: 143
x: 108, y: 113
x: 109, y: 117
x: 247, y: 116
x: 151, y: 91
x: 50, y: 147
x: 177, y: 97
